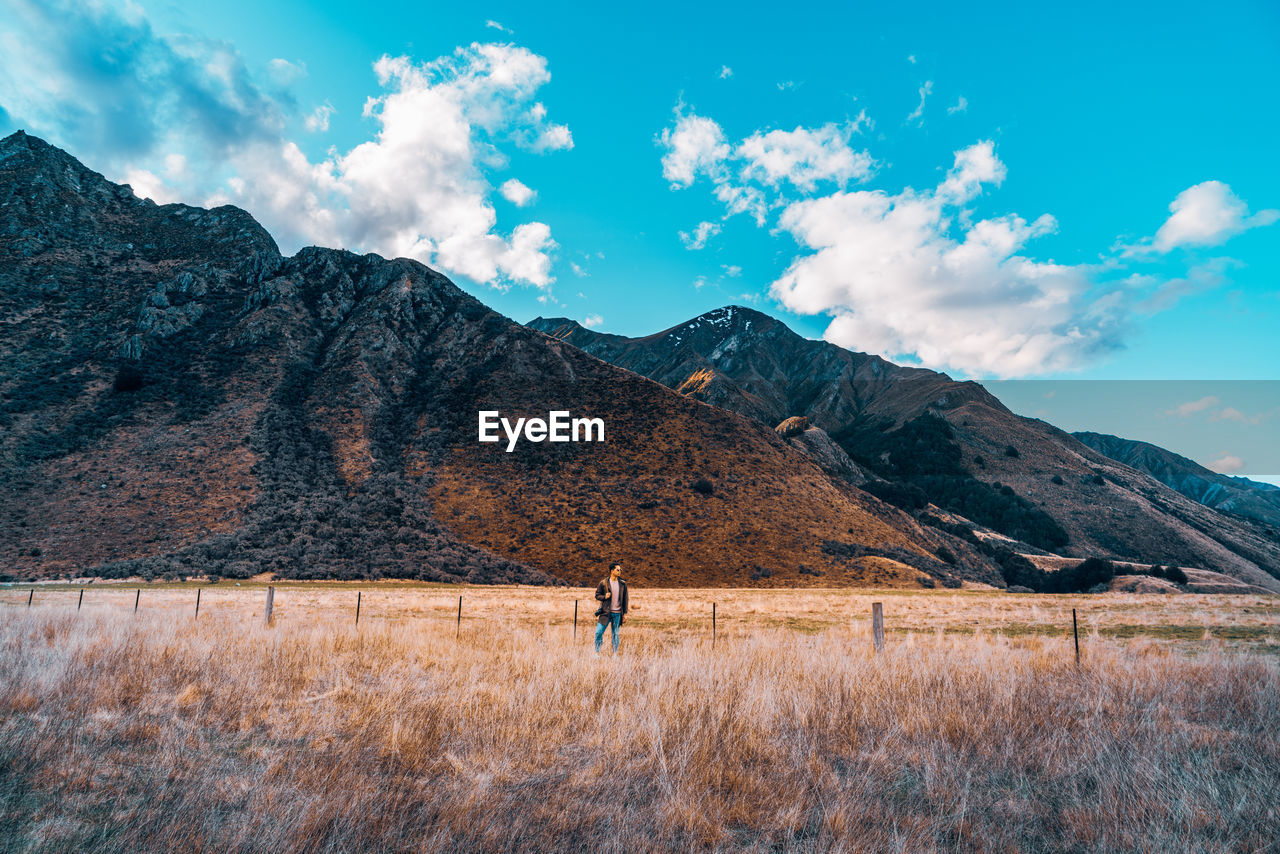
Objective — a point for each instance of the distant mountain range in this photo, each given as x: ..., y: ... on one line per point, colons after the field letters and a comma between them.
x: 1221, y: 492
x: 927, y: 442
x: 177, y: 398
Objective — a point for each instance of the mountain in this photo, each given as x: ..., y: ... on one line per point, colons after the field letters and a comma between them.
x: 178, y: 398
x: 1222, y: 492
x: 929, y: 443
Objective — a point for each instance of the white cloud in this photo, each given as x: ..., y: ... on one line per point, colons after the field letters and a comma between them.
x: 1191, y: 407
x: 803, y: 157
x: 554, y: 138
x: 911, y: 58
x: 695, y: 145
x: 917, y: 115
x: 577, y: 271
x: 960, y: 106
x: 725, y: 72
x: 1206, y: 214
x: 592, y: 320
x: 419, y: 187
x: 784, y: 85
x: 1230, y: 413
x: 517, y: 193
x: 698, y: 239
x: 494, y: 25
x: 319, y: 118
x: 1226, y: 464
x: 912, y: 273
x: 742, y: 173
x: 733, y: 271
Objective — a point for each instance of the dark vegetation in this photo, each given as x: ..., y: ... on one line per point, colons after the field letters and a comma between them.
x: 921, y: 464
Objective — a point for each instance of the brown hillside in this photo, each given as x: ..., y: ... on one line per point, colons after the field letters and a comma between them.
x: 176, y: 397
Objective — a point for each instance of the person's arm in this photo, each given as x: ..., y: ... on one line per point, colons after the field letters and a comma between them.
x: 602, y: 592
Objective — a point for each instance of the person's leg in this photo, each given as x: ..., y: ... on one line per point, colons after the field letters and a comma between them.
x: 615, y: 624
x: 599, y: 634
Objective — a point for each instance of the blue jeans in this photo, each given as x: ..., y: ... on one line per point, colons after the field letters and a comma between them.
x: 615, y: 625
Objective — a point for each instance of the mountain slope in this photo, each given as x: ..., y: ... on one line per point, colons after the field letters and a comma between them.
x: 1240, y: 495
x: 941, y: 441
x: 176, y: 397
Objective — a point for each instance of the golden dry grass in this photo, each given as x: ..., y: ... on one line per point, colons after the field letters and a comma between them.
x: 973, y: 731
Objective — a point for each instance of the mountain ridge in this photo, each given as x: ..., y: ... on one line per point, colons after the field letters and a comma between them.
x: 178, y: 398
x: 1222, y: 492
x: 938, y: 441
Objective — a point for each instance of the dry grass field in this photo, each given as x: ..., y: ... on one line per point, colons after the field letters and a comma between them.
x: 974, y: 730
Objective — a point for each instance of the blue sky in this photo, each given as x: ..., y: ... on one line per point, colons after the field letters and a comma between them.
x: 985, y: 191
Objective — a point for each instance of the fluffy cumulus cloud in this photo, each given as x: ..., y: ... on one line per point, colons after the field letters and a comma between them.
x: 694, y: 146
x: 803, y: 157
x: 1207, y: 214
x: 752, y: 175
x: 516, y: 192
x: 111, y: 88
x: 912, y: 272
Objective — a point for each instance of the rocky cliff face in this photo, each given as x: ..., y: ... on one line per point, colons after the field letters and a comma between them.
x: 176, y: 397
x: 926, y: 442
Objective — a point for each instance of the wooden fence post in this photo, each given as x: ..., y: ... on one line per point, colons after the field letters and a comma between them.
x: 359, y: 593
x: 31, y: 596
x: 81, y: 600
x: 877, y: 625
x: 271, y: 599
x: 458, y: 632
x: 197, y: 603
x: 713, y: 625
x: 575, y: 619
x: 1075, y: 630
x: 136, y: 599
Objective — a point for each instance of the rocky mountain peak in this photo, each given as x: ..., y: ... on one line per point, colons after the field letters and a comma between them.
x: 52, y: 203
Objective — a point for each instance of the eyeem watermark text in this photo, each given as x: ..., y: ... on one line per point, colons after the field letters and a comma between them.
x: 557, y: 427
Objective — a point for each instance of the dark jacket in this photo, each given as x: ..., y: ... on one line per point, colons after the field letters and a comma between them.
x: 602, y: 596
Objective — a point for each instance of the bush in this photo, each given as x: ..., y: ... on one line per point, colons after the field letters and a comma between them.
x: 945, y: 554
x: 903, y: 495
x: 703, y: 486
x: 1011, y: 451
x: 128, y: 379
x: 804, y: 570
x: 1056, y: 480
x: 1175, y: 574
x: 761, y: 572
x: 1085, y: 575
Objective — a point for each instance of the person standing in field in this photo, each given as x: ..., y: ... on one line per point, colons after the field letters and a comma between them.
x: 611, y: 593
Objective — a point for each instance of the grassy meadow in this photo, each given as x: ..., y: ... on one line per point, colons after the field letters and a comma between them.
x: 974, y: 730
